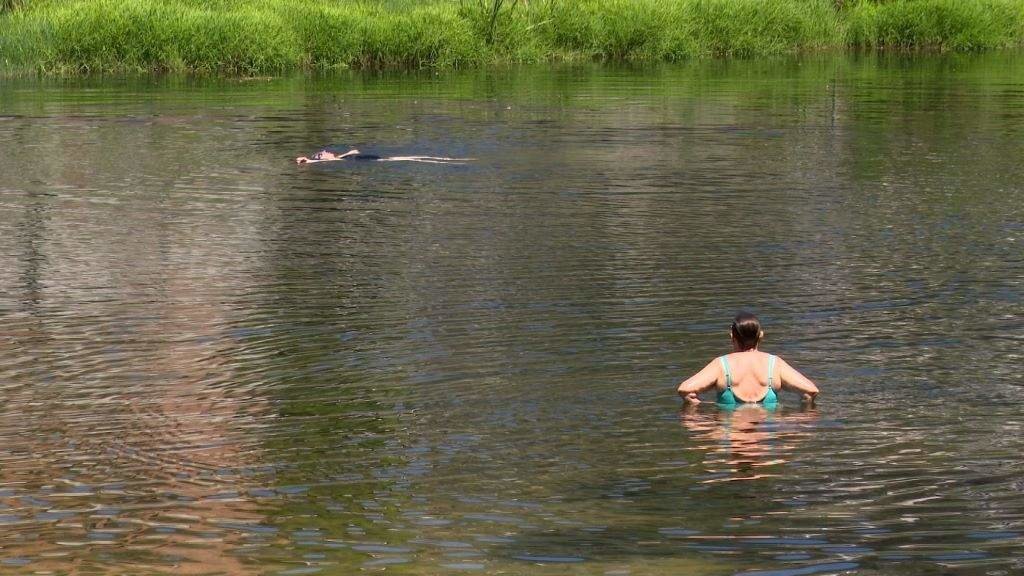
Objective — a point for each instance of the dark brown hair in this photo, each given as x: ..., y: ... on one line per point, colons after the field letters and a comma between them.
x: 746, y: 329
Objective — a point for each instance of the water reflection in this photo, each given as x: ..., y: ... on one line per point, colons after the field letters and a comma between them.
x: 139, y: 453
x: 212, y: 361
x: 748, y: 442
x: 193, y: 440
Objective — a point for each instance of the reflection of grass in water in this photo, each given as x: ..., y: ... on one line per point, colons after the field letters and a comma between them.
x: 273, y: 36
x: 637, y: 565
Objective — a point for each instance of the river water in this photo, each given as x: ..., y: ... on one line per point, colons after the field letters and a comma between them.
x: 213, y: 361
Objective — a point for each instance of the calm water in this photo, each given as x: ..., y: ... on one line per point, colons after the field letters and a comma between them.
x: 213, y: 361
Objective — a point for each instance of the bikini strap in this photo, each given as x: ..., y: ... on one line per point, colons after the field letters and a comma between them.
x: 771, y: 371
x: 725, y: 368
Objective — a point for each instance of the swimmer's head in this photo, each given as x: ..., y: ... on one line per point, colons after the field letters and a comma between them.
x: 746, y: 331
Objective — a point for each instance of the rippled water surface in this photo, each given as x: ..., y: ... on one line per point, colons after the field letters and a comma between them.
x: 213, y: 361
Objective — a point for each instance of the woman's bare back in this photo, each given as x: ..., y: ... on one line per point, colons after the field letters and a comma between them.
x: 749, y: 371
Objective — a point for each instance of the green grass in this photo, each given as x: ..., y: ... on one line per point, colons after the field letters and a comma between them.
x: 258, y: 37
x: 937, y: 24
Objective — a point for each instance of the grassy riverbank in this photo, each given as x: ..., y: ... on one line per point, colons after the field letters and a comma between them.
x: 277, y: 36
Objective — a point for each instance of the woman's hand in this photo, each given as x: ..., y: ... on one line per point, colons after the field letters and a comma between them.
x: 691, y: 399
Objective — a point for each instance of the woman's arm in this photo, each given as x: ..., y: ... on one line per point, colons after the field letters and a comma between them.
x: 793, y: 380
x: 699, y: 382
x: 326, y: 156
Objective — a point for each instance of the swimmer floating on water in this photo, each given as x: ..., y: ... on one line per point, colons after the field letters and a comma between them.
x: 747, y: 375
x: 327, y: 156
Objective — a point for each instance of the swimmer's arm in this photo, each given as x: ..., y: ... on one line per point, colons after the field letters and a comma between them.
x: 795, y: 381
x: 699, y: 382
x: 316, y: 157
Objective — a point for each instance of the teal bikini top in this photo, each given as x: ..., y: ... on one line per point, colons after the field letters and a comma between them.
x: 727, y: 398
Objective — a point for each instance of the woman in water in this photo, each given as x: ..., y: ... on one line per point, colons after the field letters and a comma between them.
x: 747, y: 375
x: 327, y: 156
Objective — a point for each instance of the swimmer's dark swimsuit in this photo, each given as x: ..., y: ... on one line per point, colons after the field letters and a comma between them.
x: 318, y: 156
x: 727, y: 399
